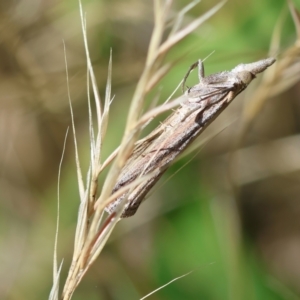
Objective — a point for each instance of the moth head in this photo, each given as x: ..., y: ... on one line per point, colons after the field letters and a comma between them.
x: 245, y: 76
x: 247, y: 72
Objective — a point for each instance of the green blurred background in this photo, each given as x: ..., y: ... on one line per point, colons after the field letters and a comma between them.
x: 239, y: 248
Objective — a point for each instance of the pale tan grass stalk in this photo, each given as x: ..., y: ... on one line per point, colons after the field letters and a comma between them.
x: 168, y: 283
x: 276, y: 80
x: 54, y: 293
x: 180, y: 34
x: 284, y: 74
x: 171, y: 281
x: 92, y: 229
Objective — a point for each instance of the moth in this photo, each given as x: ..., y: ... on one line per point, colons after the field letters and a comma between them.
x: 201, y: 105
x: 212, y: 88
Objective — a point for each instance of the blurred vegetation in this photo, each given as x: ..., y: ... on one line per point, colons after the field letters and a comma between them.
x: 242, y: 248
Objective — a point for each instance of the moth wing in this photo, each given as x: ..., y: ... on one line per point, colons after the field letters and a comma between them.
x: 200, y: 92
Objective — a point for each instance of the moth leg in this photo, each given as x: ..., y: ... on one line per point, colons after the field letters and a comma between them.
x: 200, y: 70
x: 191, y: 68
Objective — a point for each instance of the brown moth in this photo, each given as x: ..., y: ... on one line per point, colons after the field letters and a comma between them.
x: 201, y: 105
